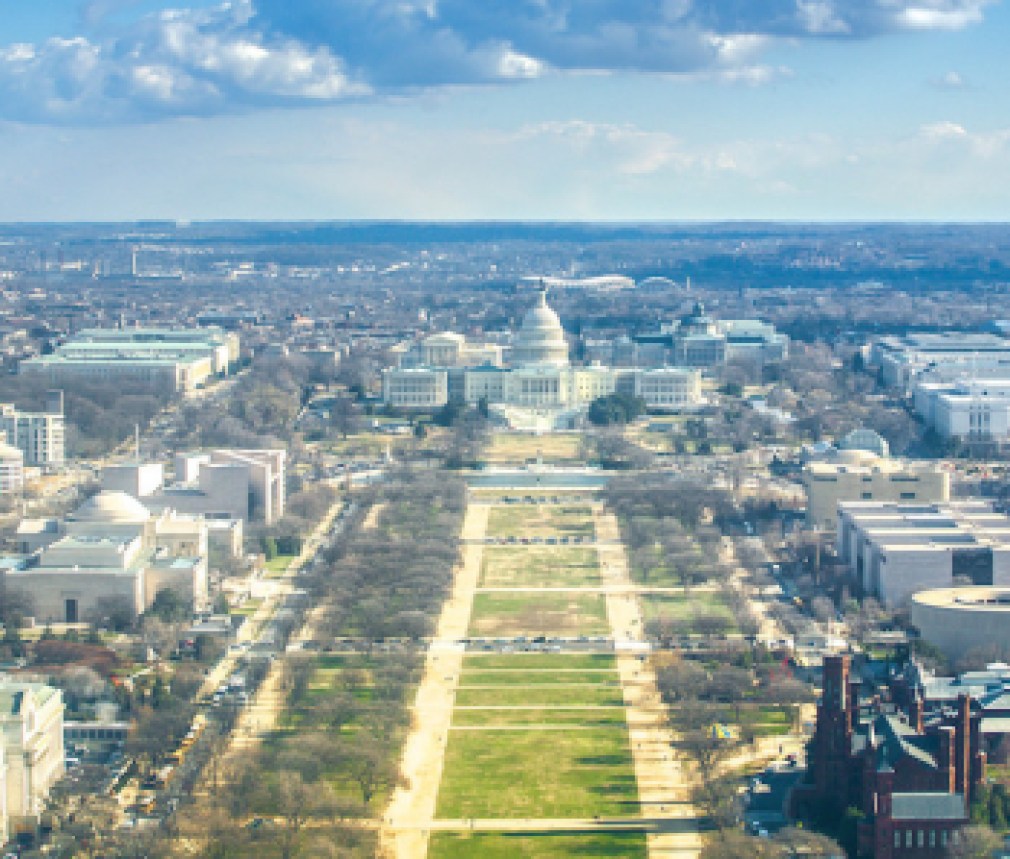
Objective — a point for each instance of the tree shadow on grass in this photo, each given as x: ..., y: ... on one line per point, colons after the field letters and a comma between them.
x: 614, y: 760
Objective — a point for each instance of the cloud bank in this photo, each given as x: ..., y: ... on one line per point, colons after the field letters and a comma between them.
x: 255, y: 53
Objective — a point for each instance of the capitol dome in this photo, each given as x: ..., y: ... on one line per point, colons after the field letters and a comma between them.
x: 112, y: 507
x: 541, y: 339
x: 697, y: 321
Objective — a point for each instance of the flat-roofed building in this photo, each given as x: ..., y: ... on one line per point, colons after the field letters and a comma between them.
x: 225, y: 484
x: 896, y: 550
x: 40, y: 436
x: 960, y: 620
x: 12, y: 469
x: 974, y: 409
x: 903, y: 358
x: 266, y: 475
x: 858, y: 475
x: 163, y: 358
x: 222, y: 346
x: 31, y: 723
x: 138, y: 479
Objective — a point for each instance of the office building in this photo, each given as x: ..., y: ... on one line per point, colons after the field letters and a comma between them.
x: 169, y: 359
x: 668, y: 388
x: 448, y: 349
x: 12, y: 469
x: 415, y: 387
x: 698, y: 340
x: 971, y: 409
x: 945, y: 356
x: 40, y: 436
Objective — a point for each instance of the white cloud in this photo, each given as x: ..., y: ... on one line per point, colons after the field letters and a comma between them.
x: 820, y: 17
x: 625, y: 149
x: 981, y: 145
x: 512, y: 65
x: 175, y: 63
x: 944, y: 130
x: 941, y: 15
x: 951, y: 80
x: 250, y: 53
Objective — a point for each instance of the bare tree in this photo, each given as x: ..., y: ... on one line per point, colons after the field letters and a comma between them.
x: 975, y: 842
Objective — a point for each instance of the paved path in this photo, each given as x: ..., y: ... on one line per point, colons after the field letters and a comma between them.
x: 663, y: 786
x: 411, y: 811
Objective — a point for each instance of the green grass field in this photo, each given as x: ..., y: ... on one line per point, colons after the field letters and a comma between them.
x: 501, y: 773
x: 507, y: 845
x: 538, y: 680
x: 535, y: 677
x: 504, y: 567
x: 482, y: 662
x: 557, y: 694
x: 588, y: 717
x: 532, y: 614
x: 540, y: 520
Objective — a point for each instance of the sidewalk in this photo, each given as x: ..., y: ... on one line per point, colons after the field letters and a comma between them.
x: 663, y: 786
x: 411, y: 811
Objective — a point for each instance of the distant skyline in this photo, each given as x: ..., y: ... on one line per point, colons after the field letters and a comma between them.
x: 613, y: 110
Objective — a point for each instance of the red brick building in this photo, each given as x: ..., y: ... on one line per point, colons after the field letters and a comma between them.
x: 912, y: 786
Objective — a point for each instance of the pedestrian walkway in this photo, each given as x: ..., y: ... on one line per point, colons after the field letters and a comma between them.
x: 411, y: 811
x: 663, y: 785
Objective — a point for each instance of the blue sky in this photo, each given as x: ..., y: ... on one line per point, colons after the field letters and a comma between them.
x: 512, y: 109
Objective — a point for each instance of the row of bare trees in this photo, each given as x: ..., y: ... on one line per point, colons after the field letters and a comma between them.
x: 305, y: 792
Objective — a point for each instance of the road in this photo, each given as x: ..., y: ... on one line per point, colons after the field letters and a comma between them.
x: 261, y: 713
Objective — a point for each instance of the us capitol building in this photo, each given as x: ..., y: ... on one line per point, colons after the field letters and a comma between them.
x: 532, y: 387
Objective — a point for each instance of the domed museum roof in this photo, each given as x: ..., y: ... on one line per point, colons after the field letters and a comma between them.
x: 112, y: 506
x: 541, y: 339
